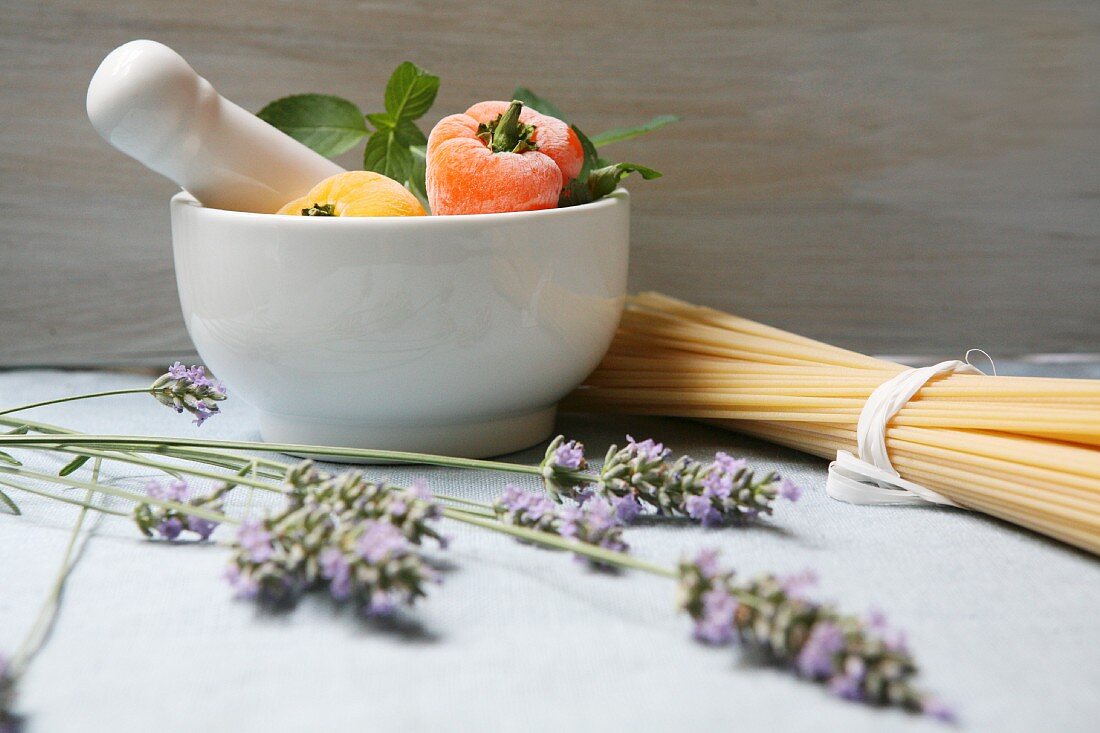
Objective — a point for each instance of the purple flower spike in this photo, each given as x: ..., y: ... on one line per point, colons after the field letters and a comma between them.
x: 380, y: 540
x: 336, y: 568
x: 700, y: 509
x: 560, y: 466
x: 789, y: 490
x: 716, y: 625
x: 189, y: 389
x: 170, y: 528
x: 178, y: 490
x: 847, y: 688
x: 255, y: 540
x: 795, y: 585
x: 817, y: 658
x: 202, y: 527
x: 706, y: 560
x: 729, y: 464
x: 243, y: 585
x: 845, y: 652
x: 202, y: 414
x: 627, y: 508
x: 569, y: 455
x: 381, y: 603
x: 647, y: 449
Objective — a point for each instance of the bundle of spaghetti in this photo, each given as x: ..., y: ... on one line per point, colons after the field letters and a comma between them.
x: 1024, y: 449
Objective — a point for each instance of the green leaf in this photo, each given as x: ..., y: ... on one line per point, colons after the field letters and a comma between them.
x: 21, y: 430
x: 625, y: 133
x: 13, y: 508
x: 408, y: 134
x: 591, y: 157
x: 329, y: 125
x: 417, y: 175
x: 386, y: 155
x: 73, y: 465
x: 600, y: 182
x: 410, y: 92
x: 230, y: 485
x: 537, y: 103
x: 9, y: 459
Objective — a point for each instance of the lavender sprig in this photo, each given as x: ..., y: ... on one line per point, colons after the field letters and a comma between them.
x: 562, y: 466
x: 170, y: 523
x: 640, y: 474
x: 189, y: 389
x: 857, y: 659
x: 595, y: 522
x: 353, y: 537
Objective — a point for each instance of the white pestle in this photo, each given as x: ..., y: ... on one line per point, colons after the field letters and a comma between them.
x: 149, y: 103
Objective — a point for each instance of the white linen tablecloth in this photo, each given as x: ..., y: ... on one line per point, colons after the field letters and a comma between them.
x: 1003, y: 621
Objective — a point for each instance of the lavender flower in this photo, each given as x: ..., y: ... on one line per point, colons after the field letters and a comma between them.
x: 170, y: 523
x: 594, y: 522
x: 255, y: 541
x: 189, y: 389
x: 716, y: 493
x: 818, y: 643
x: 354, y: 538
x: 789, y: 490
x: 560, y: 466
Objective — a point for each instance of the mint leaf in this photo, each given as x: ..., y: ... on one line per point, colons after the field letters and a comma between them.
x: 410, y: 92
x: 600, y: 182
x: 537, y: 103
x: 625, y: 133
x: 386, y: 155
x: 591, y: 157
x: 417, y: 175
x: 326, y: 124
x: 408, y: 134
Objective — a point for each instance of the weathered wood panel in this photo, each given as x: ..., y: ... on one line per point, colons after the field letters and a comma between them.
x: 893, y: 176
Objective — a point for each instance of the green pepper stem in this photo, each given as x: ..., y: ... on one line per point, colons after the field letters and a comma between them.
x: 506, y: 134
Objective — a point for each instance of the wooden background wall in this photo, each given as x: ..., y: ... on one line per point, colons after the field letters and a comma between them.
x: 895, y: 176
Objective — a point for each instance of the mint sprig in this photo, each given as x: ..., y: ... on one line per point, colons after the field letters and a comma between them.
x: 410, y: 93
x: 324, y: 123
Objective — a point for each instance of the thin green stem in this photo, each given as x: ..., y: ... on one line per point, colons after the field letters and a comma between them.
x: 599, y: 554
x: 236, y: 478
x: 90, y: 395
x: 120, y: 493
x: 63, y: 499
x: 207, y: 454
x: 365, y: 454
x: 36, y: 637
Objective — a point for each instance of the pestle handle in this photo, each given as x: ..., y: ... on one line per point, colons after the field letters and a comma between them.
x: 149, y: 103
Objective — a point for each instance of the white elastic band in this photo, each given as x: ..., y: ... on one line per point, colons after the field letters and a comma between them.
x: 871, y: 478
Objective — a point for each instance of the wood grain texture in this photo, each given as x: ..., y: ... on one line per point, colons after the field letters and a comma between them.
x: 889, y: 176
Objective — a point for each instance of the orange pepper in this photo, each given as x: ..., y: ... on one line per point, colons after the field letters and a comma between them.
x: 499, y: 157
